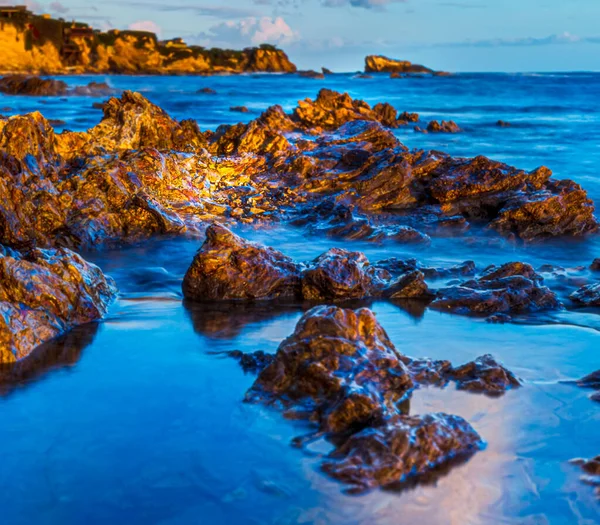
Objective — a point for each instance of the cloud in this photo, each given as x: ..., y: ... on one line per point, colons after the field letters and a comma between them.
x: 250, y: 31
x: 557, y: 39
x: 145, y: 25
x: 215, y: 11
x: 366, y: 4
x: 57, y: 7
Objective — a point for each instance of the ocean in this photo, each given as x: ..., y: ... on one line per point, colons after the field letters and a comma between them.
x: 141, y: 420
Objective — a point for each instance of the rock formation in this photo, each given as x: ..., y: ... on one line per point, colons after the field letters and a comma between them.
x: 340, y: 371
x: 46, y: 87
x: 37, y: 44
x: 381, y: 64
x: 44, y: 293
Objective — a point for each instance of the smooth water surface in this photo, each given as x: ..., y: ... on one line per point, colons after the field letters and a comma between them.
x: 140, y: 420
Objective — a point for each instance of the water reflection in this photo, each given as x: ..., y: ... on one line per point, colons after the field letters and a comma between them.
x: 65, y: 351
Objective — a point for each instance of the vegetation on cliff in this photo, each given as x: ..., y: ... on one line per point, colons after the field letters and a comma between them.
x: 38, y: 44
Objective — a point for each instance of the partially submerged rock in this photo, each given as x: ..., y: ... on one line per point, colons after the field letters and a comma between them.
x: 403, y: 451
x: 511, y: 288
x: 44, y: 293
x: 484, y: 375
x: 340, y: 371
x: 381, y: 64
x: 230, y: 268
x: 588, y: 295
x: 48, y: 87
x: 591, y: 468
x: 591, y: 381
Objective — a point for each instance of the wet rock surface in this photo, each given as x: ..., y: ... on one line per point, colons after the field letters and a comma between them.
x: 591, y: 381
x: 44, y: 293
x: 591, y: 469
x: 588, y: 295
x: 510, y: 288
x: 140, y: 172
x: 440, y: 127
x: 340, y: 371
x: 484, y: 375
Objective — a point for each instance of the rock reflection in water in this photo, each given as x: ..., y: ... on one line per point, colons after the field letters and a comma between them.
x: 65, y: 351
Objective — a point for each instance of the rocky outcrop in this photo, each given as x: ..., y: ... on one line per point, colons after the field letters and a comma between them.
x: 46, y: 87
x: 591, y: 381
x: 340, y: 371
x: 484, y: 375
x: 38, y: 44
x: 382, y: 64
x: 133, y: 176
x: 588, y: 295
x: 229, y: 268
x: 44, y: 293
x: 446, y: 126
x: 511, y: 288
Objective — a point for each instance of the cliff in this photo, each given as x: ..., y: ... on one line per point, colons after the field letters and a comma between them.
x: 381, y: 64
x: 38, y: 44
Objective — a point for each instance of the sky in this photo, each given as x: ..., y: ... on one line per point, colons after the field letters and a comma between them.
x: 450, y: 35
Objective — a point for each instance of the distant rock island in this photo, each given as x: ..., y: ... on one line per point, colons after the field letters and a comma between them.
x: 382, y: 64
x: 31, y: 43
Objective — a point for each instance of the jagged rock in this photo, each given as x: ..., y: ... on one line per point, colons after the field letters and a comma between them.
x: 381, y: 64
x: 588, y: 295
x: 435, y: 127
x: 428, y: 371
x: 326, y: 71
x: 484, y: 375
x: 229, y: 268
x: 44, y: 293
x: 340, y: 274
x: 405, y: 117
x: 402, y: 451
x: 339, y: 369
x: 511, y: 288
x: 411, y: 285
x: 254, y: 362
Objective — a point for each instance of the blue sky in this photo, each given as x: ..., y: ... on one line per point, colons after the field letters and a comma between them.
x: 453, y: 35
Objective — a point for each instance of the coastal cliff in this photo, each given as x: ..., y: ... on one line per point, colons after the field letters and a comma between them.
x: 42, y: 45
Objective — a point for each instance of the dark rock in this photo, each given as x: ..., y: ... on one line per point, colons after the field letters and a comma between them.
x: 338, y: 368
x: 445, y: 127
x: 326, y: 71
x: 44, y: 293
x: 206, y: 91
x: 405, y: 449
x: 503, y: 124
x: 411, y: 285
x: 32, y: 86
x: 595, y: 266
x: 311, y: 74
x: 588, y: 295
x: 591, y: 468
x: 93, y: 89
x: 254, y: 362
x: 484, y: 375
x: 406, y: 117
x: 229, y: 268
x: 511, y: 288
x: 339, y: 274
x: 239, y: 109
x: 499, y: 319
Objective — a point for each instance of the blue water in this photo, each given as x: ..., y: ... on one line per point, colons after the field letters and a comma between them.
x: 139, y: 420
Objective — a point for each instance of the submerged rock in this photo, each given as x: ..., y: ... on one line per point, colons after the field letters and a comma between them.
x: 340, y: 371
x: 591, y: 381
x: 239, y: 109
x: 230, y: 268
x: 47, y: 87
x: 484, y: 375
x: 595, y: 266
x: 44, y: 293
x: 510, y: 289
x: 445, y: 127
x: 254, y: 362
